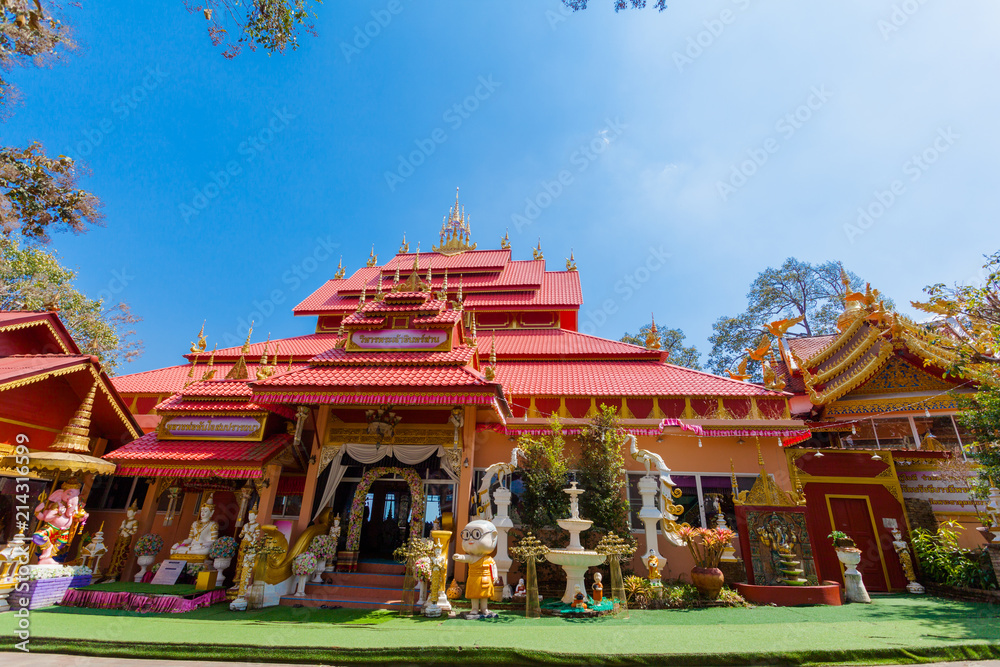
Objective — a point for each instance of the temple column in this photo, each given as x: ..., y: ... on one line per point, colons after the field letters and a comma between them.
x: 268, y: 491
x: 147, y: 515
x: 464, y: 491
x: 309, y: 493
x: 503, y: 523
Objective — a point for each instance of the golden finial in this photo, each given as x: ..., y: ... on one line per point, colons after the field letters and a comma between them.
x: 378, y: 287
x: 75, y: 435
x: 404, y: 247
x: 536, y: 253
x: 491, y: 370
x: 474, y: 333
x: 571, y: 262
x: 443, y: 294
x: 202, y: 344
x: 190, y: 375
x: 341, y: 271
x: 210, y: 371
x: 458, y: 297
x: 340, y: 329
x: 416, y: 259
x: 455, y: 232
x: 653, y: 338
x: 736, y: 487
x: 505, y: 241
x: 263, y: 356
x: 395, y: 278
x: 428, y: 274
x: 289, y: 369
x: 364, y: 295
x: 239, y: 370
x: 372, y: 258
x: 760, y: 456
x: 246, y: 343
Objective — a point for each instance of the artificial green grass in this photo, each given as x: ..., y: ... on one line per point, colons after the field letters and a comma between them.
x: 892, y: 629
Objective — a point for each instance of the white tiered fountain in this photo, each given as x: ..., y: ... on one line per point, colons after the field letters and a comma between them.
x: 574, y: 559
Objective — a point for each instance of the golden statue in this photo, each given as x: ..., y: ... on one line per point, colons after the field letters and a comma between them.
x: 123, y: 543
x: 248, y: 535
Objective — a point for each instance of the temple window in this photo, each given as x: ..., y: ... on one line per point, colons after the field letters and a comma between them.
x: 696, y: 492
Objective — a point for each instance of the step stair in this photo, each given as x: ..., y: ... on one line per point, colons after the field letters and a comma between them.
x: 373, y: 586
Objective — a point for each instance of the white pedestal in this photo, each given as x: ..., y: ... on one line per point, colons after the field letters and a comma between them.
x: 854, y: 587
x: 503, y: 523
x: 650, y: 515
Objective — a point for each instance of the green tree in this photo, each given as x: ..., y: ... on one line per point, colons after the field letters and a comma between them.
x: 273, y: 25
x: 966, y: 324
x: 602, y: 472
x: 813, y: 292
x: 32, y: 279
x: 544, y: 471
x: 577, y: 5
x: 672, y: 342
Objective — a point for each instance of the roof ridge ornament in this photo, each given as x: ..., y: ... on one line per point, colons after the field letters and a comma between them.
x: 210, y: 371
x: 456, y: 234
x: 536, y: 253
x: 239, y: 369
x: 372, y: 258
x: 404, y: 247
x: 202, y: 344
x: 652, y: 338
x: 341, y: 271
x: 571, y: 261
x: 75, y: 435
x: 505, y: 241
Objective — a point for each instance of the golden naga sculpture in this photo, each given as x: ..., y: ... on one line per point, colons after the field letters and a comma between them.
x: 771, y: 379
x: 277, y: 567
x: 779, y: 328
x: 202, y: 344
x: 341, y: 271
x: 762, y: 349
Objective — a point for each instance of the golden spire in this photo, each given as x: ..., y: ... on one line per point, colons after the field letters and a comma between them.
x: 289, y: 369
x: 455, y: 232
x: 210, y: 371
x: 458, y: 297
x: 372, y: 258
x: 263, y: 356
x: 474, y: 333
x: 443, y: 294
x: 428, y: 274
x: 736, y: 487
x: 536, y: 253
x: 491, y: 371
x: 378, y: 287
x: 239, y: 370
x: 395, y: 278
x: 760, y: 456
x: 404, y: 246
x: 190, y: 375
x: 364, y: 296
x: 416, y: 260
x: 571, y: 262
x: 341, y: 271
x: 202, y: 344
x: 653, y: 338
x: 74, y: 436
x: 505, y: 241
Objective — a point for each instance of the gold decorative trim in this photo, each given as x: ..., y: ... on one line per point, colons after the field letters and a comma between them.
x: 855, y: 352
x: 32, y: 323
x: 848, y: 408
x: 850, y: 382
x: 338, y: 435
x: 127, y: 420
x: 835, y: 346
x: 15, y: 384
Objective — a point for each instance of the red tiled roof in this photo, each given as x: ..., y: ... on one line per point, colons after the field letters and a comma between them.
x: 148, y: 448
x: 429, y: 306
x: 444, y: 317
x: 459, y: 355
x: 177, y: 403
x: 218, y: 388
x: 172, y: 379
x: 298, y: 347
x: 378, y: 376
x: 16, y: 367
x: 810, y: 346
x: 473, y: 259
x: 616, y: 378
x: 559, y: 288
x: 560, y: 344
x: 324, y: 298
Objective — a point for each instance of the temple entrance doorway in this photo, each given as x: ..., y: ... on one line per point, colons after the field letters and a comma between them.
x: 385, y: 525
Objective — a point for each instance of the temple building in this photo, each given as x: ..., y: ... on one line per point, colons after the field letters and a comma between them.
x: 886, y: 450
x: 420, y: 374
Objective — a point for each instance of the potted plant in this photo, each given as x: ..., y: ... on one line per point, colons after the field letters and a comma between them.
x: 847, y: 552
x: 303, y: 566
x: 324, y: 549
x: 146, y: 548
x: 841, y: 540
x: 706, y: 546
x: 222, y: 552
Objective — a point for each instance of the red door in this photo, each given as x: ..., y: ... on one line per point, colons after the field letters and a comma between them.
x: 852, y: 516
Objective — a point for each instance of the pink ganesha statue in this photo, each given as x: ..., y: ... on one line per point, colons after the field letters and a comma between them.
x: 58, y: 516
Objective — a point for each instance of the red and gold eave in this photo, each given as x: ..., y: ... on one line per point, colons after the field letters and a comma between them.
x: 43, y: 381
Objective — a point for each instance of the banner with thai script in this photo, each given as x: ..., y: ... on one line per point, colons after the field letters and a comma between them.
x: 946, y: 495
x: 399, y: 339
x: 212, y: 428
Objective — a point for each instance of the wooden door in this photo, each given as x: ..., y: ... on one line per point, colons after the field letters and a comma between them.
x: 853, y: 516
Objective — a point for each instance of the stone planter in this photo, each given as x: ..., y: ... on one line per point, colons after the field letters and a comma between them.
x: 317, y: 577
x: 143, y: 562
x: 855, y: 590
x: 46, y: 592
x: 708, y: 581
x: 300, y: 585
x: 220, y: 564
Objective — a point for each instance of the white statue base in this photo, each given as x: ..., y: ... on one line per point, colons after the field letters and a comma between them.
x: 915, y: 588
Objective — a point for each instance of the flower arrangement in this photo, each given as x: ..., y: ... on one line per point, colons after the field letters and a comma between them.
x: 422, y: 568
x: 358, y: 505
x: 224, y: 547
x: 55, y: 571
x: 148, y: 545
x: 304, y: 564
x: 706, y: 544
x: 194, y: 568
x: 323, y: 546
x: 264, y: 546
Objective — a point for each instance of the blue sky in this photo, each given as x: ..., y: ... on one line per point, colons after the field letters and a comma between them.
x: 726, y: 135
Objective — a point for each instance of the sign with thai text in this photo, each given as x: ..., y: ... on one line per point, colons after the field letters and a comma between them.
x: 946, y: 495
x: 169, y: 572
x: 210, y: 427
x: 399, y: 339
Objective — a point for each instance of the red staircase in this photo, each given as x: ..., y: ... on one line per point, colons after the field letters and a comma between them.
x: 373, y: 586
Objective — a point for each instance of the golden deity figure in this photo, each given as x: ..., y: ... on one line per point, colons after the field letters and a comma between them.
x: 439, y: 571
x: 203, y: 533
x: 906, y: 560
x: 248, y: 535
x: 123, y: 543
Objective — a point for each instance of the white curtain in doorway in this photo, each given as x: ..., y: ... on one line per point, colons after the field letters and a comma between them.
x: 368, y: 454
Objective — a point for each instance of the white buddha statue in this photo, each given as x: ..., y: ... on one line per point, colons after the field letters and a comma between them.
x: 203, y: 533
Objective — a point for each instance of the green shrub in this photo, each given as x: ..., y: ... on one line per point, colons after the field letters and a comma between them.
x: 942, y: 561
x: 602, y: 472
